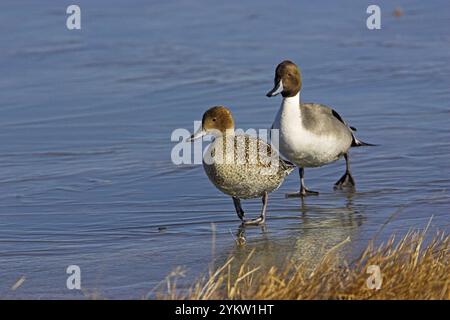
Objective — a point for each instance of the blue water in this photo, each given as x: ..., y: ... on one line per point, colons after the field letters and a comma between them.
x: 86, y: 118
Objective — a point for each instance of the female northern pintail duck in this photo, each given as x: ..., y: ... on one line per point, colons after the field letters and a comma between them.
x: 311, y: 134
x: 240, y: 165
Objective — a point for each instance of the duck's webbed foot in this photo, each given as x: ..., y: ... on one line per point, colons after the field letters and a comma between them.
x: 254, y: 222
x: 262, y: 218
x: 346, y: 181
x: 304, y: 192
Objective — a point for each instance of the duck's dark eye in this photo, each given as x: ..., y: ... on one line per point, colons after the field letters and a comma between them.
x: 214, y: 119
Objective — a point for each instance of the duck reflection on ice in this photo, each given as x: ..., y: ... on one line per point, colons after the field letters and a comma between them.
x: 319, y: 229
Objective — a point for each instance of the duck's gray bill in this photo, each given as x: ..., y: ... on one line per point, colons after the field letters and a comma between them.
x: 200, y: 133
x: 276, y: 90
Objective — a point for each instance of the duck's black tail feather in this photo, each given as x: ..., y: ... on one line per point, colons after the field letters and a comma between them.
x: 287, y: 165
x: 359, y: 143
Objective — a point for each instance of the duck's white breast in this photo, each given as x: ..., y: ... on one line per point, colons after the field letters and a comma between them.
x: 301, y: 146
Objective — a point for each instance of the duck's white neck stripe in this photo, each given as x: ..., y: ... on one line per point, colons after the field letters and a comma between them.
x: 291, y: 102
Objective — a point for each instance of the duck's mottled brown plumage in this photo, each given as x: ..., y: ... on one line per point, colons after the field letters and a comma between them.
x: 243, y: 166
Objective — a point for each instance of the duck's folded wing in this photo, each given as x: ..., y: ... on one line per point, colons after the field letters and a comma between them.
x: 355, y: 141
x: 321, y: 120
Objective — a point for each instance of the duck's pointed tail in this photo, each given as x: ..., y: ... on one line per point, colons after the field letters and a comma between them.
x: 287, y: 165
x: 359, y: 143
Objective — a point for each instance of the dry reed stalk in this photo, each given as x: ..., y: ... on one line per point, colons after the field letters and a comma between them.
x: 409, y: 271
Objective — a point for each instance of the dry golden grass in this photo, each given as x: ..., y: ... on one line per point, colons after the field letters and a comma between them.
x: 409, y: 271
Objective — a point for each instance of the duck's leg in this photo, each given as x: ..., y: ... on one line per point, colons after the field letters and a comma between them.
x: 237, y: 206
x: 262, y: 217
x: 303, y: 190
x: 346, y: 180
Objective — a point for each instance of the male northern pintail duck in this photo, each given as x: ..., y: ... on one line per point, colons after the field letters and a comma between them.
x: 311, y: 134
x: 240, y: 165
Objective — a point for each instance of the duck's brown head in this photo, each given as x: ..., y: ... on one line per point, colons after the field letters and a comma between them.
x: 216, y: 121
x: 288, y: 80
